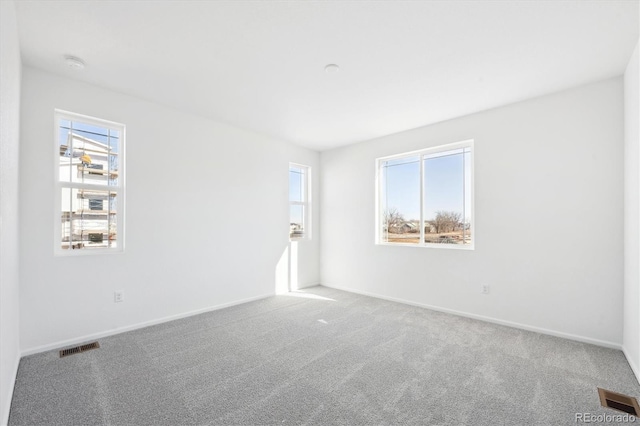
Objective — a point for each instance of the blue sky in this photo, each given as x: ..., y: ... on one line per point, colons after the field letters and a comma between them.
x: 443, y: 185
x: 96, y: 133
x: 296, y: 193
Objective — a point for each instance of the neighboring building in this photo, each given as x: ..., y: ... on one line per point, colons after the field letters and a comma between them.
x: 88, y: 215
x: 404, y: 228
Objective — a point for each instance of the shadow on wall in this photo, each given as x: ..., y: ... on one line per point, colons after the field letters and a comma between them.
x: 287, y: 269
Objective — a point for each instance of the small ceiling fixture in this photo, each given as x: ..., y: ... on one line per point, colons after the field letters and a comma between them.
x: 331, y: 69
x: 74, y: 62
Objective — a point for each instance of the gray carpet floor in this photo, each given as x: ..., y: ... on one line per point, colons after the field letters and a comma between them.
x: 323, y: 357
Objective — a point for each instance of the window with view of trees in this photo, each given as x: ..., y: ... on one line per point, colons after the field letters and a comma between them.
x: 299, y: 199
x: 425, y: 198
x: 90, y: 184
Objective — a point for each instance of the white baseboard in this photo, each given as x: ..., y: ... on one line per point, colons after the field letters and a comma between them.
x: 7, y: 404
x: 632, y: 364
x: 540, y: 330
x: 119, y: 330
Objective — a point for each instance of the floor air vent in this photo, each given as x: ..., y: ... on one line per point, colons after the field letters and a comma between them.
x: 618, y: 401
x: 78, y: 349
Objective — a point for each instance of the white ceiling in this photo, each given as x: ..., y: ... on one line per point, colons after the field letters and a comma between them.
x: 260, y: 64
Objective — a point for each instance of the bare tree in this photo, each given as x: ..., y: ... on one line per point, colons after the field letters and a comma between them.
x: 392, y: 219
x: 446, y: 221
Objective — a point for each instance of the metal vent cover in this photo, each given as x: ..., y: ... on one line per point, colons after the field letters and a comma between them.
x: 618, y: 401
x: 78, y: 349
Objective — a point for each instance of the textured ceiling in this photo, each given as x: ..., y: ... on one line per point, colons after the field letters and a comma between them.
x: 260, y: 64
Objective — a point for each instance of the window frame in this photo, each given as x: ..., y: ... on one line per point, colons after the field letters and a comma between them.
x: 306, y: 203
x: 59, y: 185
x: 469, y: 143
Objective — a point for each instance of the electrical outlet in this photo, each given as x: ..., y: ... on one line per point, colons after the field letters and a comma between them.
x: 485, y: 289
x: 118, y: 296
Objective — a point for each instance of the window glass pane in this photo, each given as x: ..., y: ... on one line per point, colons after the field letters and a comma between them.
x: 299, y: 201
x: 444, y: 198
x: 87, y: 156
x: 90, y: 161
x: 468, y: 231
x: 113, y: 158
x: 64, y: 142
x: 112, y: 240
x: 90, y: 131
x: 65, y: 216
x: 297, y: 224
x: 96, y: 137
x: 400, y: 197
x: 296, y: 184
x: 88, y: 218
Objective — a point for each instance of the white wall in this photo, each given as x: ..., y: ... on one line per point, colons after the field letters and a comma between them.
x: 549, y: 203
x: 10, y: 69
x: 631, y: 341
x: 206, y: 217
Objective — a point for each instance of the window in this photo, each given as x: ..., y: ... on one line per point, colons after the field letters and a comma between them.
x: 425, y: 198
x: 299, y: 201
x: 90, y: 184
x: 95, y: 204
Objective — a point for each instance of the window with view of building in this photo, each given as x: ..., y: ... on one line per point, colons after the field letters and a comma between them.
x: 299, y: 201
x: 425, y: 198
x: 90, y: 184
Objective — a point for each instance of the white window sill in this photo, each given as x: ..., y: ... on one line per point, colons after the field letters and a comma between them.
x: 434, y: 246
